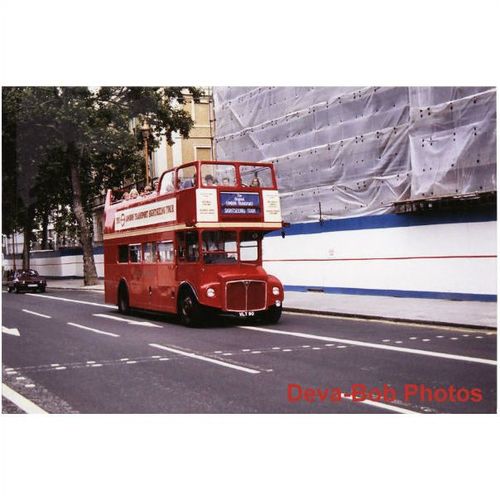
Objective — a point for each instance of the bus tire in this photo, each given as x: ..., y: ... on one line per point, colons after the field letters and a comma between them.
x: 190, y: 310
x: 272, y: 315
x: 123, y: 303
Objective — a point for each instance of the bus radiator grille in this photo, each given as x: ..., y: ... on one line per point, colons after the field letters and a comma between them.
x: 246, y: 295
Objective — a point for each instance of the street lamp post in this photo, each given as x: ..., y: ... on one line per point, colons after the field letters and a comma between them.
x: 146, y: 130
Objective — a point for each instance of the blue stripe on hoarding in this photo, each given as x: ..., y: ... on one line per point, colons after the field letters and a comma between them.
x: 416, y: 294
x: 382, y: 221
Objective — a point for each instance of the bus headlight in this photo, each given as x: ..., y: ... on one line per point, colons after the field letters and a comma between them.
x: 276, y: 290
x: 210, y: 292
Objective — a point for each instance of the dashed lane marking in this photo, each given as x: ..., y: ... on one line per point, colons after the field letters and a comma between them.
x: 93, y: 330
x: 371, y: 345
x: 204, y: 358
x: 20, y: 401
x: 385, y: 406
x: 36, y: 314
x: 51, y: 297
x: 129, y: 321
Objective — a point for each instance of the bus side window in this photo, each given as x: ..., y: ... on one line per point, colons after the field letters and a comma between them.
x: 181, y: 246
x: 149, y: 251
x: 165, y: 251
x: 193, y: 253
x: 135, y: 253
x: 123, y: 253
x: 167, y: 183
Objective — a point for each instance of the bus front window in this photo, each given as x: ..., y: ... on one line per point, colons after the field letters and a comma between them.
x: 249, y: 245
x: 256, y: 176
x: 219, y: 247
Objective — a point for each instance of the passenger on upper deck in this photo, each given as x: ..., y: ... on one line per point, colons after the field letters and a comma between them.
x: 134, y: 194
x: 209, y: 180
x: 126, y: 196
x: 255, y: 182
x: 156, y: 182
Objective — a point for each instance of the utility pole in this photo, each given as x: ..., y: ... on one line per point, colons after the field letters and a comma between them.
x: 146, y: 130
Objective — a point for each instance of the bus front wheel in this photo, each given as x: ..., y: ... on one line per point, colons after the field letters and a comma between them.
x: 272, y: 315
x: 123, y: 304
x: 190, y: 310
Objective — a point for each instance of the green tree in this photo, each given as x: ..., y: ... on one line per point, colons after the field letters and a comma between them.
x: 68, y: 144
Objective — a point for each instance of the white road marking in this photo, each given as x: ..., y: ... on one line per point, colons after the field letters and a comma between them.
x: 454, y: 338
x: 11, y: 331
x: 96, y: 365
x: 440, y: 336
x: 36, y: 314
x: 465, y: 335
x: 61, y: 368
x: 94, y: 330
x: 398, y: 342
x: 20, y: 401
x: 248, y: 350
x: 123, y: 359
x: 306, y: 346
x: 386, y: 340
x: 479, y: 337
x: 273, y: 348
x: 316, y: 348
x: 72, y: 300
x: 413, y: 338
x: 20, y: 378
x: 29, y: 386
x: 359, y: 343
x: 155, y: 357
x: 341, y: 347
x: 329, y: 345
x: 164, y: 359
x: 12, y: 373
x: 90, y: 362
x: 203, y: 358
x: 385, y: 406
x: 426, y: 340
x: 129, y: 321
x: 257, y: 352
x: 54, y: 364
x: 227, y: 354
x: 287, y: 350
x: 131, y: 362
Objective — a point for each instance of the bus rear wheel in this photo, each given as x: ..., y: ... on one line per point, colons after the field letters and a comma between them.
x: 123, y: 304
x: 190, y: 310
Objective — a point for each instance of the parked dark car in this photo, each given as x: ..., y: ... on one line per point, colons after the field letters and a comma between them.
x: 25, y: 280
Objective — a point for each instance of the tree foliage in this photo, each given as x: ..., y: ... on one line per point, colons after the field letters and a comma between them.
x: 63, y: 146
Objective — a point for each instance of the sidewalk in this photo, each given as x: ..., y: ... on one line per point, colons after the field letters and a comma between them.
x: 435, y: 311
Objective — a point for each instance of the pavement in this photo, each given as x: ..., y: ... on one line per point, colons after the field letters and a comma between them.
x: 432, y: 311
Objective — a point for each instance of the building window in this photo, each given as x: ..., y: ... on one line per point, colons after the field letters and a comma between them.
x: 203, y: 153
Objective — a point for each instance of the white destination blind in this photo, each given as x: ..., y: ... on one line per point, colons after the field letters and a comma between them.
x: 206, y: 205
x: 272, y: 207
x: 144, y: 215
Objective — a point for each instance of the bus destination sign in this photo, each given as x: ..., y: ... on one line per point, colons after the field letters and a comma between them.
x: 240, y: 203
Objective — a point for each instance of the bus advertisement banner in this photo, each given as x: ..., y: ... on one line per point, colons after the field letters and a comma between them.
x: 144, y: 215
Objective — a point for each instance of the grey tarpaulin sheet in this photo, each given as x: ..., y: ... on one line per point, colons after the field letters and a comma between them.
x: 357, y: 150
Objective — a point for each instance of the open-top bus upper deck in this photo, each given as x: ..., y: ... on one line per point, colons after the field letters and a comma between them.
x: 201, y: 194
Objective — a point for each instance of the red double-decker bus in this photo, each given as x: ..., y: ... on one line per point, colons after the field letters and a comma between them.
x: 194, y: 246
